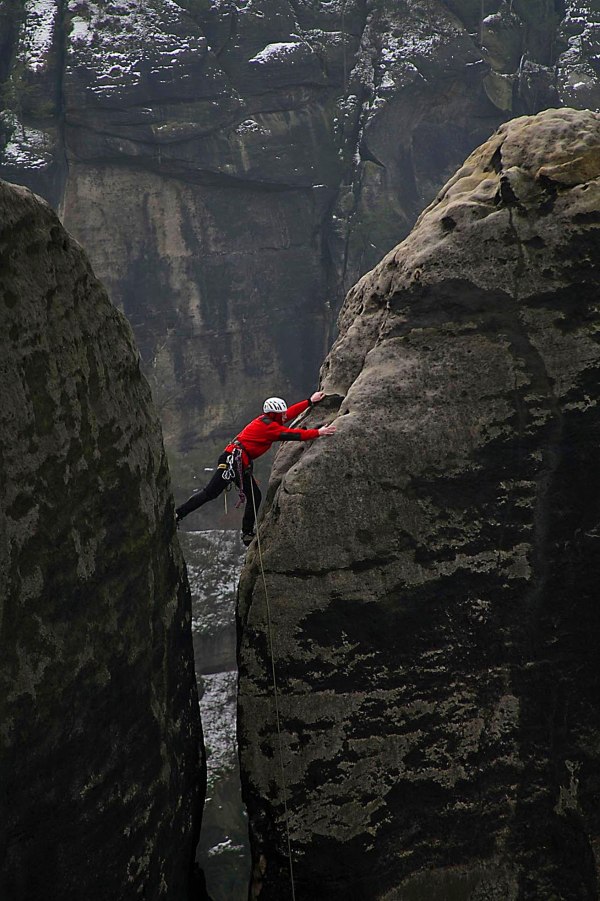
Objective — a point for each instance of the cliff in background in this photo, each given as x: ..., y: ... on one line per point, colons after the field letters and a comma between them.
x: 433, y: 568
x: 99, y: 726
x: 233, y: 166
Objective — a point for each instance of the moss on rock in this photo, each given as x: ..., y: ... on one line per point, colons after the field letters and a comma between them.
x: 100, y: 756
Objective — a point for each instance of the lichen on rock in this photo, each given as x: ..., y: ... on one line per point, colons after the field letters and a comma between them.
x: 432, y: 569
x: 100, y: 734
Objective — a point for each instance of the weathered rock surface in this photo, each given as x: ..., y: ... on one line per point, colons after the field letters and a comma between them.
x: 233, y: 167
x: 433, y: 569
x: 99, y: 725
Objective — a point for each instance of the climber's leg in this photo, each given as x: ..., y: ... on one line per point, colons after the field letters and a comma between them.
x: 214, y: 488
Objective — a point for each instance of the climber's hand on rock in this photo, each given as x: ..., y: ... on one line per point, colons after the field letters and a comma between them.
x: 317, y: 396
x: 326, y: 430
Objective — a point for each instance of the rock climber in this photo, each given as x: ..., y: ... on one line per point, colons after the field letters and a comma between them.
x: 255, y: 439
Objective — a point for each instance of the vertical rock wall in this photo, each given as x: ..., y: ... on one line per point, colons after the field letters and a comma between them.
x: 99, y: 725
x: 433, y: 568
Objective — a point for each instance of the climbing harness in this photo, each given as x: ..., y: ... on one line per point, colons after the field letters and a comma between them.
x: 276, y: 696
x: 233, y: 471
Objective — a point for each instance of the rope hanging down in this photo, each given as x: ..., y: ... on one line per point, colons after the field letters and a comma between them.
x: 276, y: 696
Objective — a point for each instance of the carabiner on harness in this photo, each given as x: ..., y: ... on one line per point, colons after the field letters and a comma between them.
x: 233, y: 471
x: 229, y: 471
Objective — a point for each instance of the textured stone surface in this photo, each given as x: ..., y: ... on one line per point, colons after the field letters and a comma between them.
x: 233, y: 167
x: 433, y: 569
x: 99, y: 725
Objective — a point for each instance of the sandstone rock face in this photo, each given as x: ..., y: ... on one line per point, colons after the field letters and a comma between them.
x: 233, y: 167
x: 432, y: 570
x: 99, y: 723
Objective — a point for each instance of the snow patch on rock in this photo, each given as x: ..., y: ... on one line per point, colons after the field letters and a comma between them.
x: 26, y: 148
x: 218, y: 711
x: 576, y: 75
x: 37, y: 33
x: 222, y: 847
x: 278, y: 52
x: 214, y: 561
x: 250, y: 126
x: 122, y: 43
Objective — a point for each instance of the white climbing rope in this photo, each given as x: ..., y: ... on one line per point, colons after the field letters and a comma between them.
x: 276, y: 696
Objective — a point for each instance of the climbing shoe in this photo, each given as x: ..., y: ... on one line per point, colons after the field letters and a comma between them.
x: 248, y: 538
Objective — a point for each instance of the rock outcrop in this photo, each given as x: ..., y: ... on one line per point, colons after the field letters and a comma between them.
x: 233, y: 167
x: 100, y: 735
x: 433, y: 569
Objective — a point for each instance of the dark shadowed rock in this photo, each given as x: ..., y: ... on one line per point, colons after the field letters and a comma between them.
x: 99, y: 725
x: 433, y: 568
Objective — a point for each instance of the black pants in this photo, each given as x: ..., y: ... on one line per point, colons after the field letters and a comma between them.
x: 217, y: 485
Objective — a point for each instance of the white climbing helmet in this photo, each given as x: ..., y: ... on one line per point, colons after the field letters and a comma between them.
x: 274, y: 405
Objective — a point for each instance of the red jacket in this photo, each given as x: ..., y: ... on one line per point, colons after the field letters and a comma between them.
x: 257, y: 437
